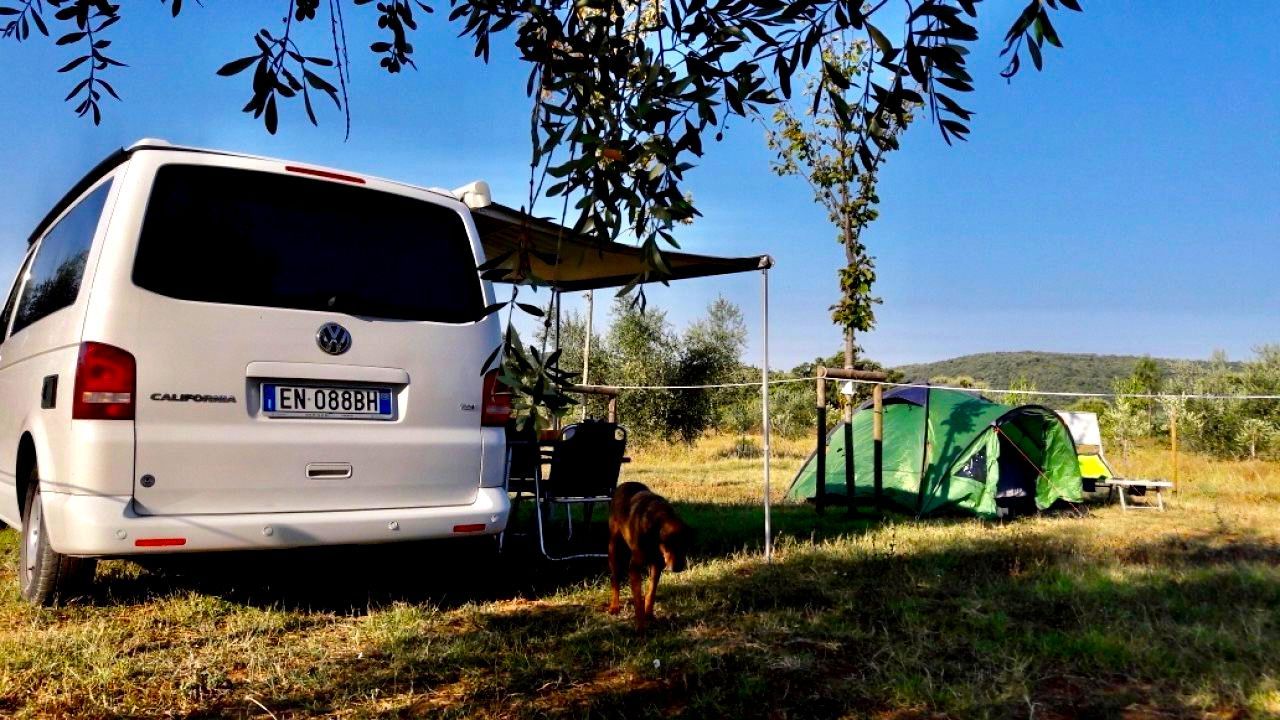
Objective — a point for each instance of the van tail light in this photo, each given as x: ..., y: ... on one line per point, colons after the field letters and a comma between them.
x: 497, y: 402
x: 106, y: 383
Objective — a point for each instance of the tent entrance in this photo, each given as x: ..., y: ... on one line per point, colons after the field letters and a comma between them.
x: 1034, y: 460
x: 1019, y: 463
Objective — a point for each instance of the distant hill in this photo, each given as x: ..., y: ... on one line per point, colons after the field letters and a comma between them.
x: 1078, y: 372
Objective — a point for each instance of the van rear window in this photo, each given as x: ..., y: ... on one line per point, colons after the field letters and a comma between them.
x: 243, y: 237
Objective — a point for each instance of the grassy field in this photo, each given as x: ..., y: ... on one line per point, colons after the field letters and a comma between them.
x: 1138, y: 615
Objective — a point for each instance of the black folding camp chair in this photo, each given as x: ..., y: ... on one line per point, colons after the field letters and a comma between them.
x: 584, y: 467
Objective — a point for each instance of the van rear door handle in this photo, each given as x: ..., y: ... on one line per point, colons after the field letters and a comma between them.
x: 328, y: 471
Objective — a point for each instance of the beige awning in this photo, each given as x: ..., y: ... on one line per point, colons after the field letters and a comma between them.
x: 583, y: 263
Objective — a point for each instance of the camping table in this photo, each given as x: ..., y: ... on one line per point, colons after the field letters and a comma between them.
x: 1119, y: 485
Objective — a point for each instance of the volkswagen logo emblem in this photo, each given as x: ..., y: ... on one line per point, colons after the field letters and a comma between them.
x: 333, y: 338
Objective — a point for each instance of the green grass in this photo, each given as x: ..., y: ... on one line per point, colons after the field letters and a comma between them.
x: 1105, y: 615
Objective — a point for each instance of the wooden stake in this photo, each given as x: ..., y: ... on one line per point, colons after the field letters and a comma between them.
x: 825, y: 373
x: 877, y: 436
x: 850, y: 481
x: 820, y: 486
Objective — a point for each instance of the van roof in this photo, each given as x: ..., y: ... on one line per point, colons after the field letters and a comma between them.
x: 580, y: 263
x: 119, y: 157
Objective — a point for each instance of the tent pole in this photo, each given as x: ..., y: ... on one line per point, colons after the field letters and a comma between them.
x: 764, y: 410
x: 586, y: 348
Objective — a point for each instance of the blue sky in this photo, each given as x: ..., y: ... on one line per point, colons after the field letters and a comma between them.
x: 1125, y: 200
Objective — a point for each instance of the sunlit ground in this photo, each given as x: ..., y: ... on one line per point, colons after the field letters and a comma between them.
x: 1111, y: 614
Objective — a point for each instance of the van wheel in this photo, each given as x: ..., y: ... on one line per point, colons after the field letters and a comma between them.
x: 45, y: 576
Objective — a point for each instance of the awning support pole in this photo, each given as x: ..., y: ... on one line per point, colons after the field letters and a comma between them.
x: 764, y: 411
x: 1173, y: 447
x: 586, y: 349
x: 556, y: 296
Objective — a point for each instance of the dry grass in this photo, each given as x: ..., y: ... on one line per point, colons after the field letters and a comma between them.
x: 1107, y: 615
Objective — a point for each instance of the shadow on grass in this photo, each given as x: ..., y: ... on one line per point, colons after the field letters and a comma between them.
x: 449, y: 573
x: 444, y: 574
x: 346, y: 580
x: 998, y: 626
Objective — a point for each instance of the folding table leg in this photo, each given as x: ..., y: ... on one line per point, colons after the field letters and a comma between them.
x: 1160, y: 499
x: 1123, y: 505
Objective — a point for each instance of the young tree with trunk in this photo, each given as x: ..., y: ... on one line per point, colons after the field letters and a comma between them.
x: 1148, y: 378
x: 820, y: 147
x: 1127, y: 415
x: 1256, y: 434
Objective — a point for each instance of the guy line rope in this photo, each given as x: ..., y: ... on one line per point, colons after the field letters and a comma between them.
x: 782, y: 381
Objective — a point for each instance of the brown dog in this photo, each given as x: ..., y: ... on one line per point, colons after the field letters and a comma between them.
x: 644, y: 534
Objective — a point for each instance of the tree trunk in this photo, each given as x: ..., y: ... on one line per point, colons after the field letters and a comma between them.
x: 846, y: 233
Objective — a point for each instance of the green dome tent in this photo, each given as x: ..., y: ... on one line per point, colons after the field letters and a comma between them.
x: 984, y: 458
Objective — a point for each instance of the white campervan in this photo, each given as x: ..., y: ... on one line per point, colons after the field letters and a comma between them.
x: 209, y: 351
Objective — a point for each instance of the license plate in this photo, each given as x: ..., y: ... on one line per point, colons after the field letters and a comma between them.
x: 318, y: 401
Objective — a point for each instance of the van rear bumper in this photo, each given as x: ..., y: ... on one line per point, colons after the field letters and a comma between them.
x: 89, y: 525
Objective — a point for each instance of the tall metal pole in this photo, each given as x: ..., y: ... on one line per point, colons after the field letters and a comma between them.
x: 1173, y: 446
x: 556, y: 298
x: 586, y: 348
x: 764, y: 411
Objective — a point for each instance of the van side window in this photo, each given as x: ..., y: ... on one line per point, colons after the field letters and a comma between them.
x: 13, y: 296
x: 59, y: 263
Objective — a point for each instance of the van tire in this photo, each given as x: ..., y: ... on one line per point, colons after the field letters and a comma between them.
x: 45, y: 576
